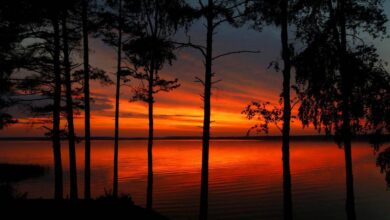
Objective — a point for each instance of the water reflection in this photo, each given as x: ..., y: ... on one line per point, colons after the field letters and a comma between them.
x: 245, y: 178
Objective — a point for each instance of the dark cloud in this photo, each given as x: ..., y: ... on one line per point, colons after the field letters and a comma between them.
x: 100, y: 102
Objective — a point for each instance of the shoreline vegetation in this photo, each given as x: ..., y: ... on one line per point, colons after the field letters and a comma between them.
x: 384, y: 138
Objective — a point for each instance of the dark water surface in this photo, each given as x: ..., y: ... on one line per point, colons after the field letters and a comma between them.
x: 245, y: 177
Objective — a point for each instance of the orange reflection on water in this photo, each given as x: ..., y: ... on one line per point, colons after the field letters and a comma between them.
x: 246, y: 175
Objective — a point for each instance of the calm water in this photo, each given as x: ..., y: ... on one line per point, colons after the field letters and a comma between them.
x: 245, y: 177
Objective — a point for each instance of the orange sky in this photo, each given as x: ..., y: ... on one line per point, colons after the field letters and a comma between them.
x: 245, y: 77
x: 178, y: 113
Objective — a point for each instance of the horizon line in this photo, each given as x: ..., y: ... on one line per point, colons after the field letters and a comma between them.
x: 263, y: 137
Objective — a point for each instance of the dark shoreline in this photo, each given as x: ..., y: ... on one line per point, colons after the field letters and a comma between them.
x: 293, y: 138
x: 18, y: 205
x: 61, y: 209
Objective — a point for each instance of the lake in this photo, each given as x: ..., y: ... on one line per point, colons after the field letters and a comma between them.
x: 245, y: 177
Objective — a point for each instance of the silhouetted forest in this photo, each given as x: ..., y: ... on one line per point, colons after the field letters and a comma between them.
x: 332, y: 74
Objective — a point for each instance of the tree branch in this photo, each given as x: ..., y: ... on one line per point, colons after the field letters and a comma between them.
x: 235, y: 52
x: 198, y: 80
x: 189, y: 44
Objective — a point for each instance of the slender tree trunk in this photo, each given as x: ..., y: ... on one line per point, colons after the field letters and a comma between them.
x: 152, y: 73
x: 287, y: 197
x: 341, y: 41
x: 149, y: 199
x: 350, y: 200
x: 87, y: 118
x: 346, y: 93
x: 207, y: 110
x: 117, y: 96
x: 69, y: 111
x: 58, y: 182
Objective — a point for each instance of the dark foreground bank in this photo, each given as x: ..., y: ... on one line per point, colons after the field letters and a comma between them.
x: 12, y: 173
x: 66, y: 209
x: 15, y: 205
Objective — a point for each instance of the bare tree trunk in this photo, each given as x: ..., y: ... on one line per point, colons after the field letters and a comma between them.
x: 69, y: 111
x: 58, y: 182
x: 117, y: 96
x: 149, y: 199
x: 346, y: 93
x: 87, y: 118
x: 287, y: 198
x: 207, y: 110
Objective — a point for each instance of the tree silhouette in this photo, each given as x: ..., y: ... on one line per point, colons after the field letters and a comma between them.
x: 69, y: 104
x: 57, y: 107
x: 117, y: 96
x: 113, y: 20
x: 216, y: 13
x: 280, y: 13
x: 286, y: 53
x: 72, y: 37
x: 12, y: 28
x: 41, y: 22
x: 337, y: 73
x: 116, y: 26
x: 89, y: 25
x: 266, y: 115
x: 87, y: 110
x: 42, y: 83
x: 148, y: 52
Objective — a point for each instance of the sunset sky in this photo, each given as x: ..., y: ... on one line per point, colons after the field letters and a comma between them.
x: 245, y: 77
